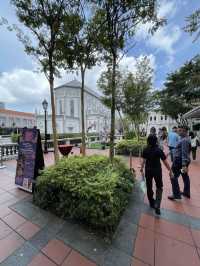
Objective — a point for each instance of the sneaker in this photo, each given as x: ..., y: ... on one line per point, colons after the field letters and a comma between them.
x: 174, y: 198
x: 157, y: 211
x: 185, y: 195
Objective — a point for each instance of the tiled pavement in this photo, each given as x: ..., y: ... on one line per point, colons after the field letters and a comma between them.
x: 31, y: 236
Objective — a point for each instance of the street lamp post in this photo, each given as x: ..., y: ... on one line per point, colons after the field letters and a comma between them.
x: 45, y: 106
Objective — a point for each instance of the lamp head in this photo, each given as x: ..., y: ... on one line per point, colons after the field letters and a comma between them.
x: 45, y: 104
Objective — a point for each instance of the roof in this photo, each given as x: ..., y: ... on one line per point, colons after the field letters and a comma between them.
x: 77, y: 85
x: 16, y: 113
x: 194, y: 113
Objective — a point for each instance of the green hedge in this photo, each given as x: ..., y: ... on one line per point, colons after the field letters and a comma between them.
x: 124, y: 147
x: 88, y: 189
x: 69, y: 135
x: 15, y: 137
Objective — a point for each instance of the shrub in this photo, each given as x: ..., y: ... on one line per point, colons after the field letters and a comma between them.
x: 15, y: 137
x: 88, y: 189
x: 124, y: 147
x: 130, y: 134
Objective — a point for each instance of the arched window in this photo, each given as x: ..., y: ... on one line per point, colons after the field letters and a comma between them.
x: 161, y: 117
x: 154, y: 118
x: 150, y: 118
x: 72, y: 108
x: 166, y: 117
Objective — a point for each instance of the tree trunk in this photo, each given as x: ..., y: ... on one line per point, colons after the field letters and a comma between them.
x: 112, y: 130
x: 122, y: 122
x: 55, y: 142
x: 83, y: 110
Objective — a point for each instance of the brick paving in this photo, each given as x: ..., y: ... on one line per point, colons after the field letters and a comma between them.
x: 31, y: 236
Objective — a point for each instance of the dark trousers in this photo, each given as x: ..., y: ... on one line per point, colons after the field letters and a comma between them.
x: 194, y: 153
x: 157, y: 176
x: 176, y: 168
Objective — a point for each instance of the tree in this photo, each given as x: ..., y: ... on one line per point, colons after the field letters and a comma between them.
x: 85, y: 57
x: 137, y: 93
x: 104, y: 84
x: 193, y: 24
x: 182, y: 89
x: 118, y: 20
x: 50, y: 22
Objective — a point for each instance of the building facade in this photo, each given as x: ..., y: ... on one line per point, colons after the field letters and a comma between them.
x: 10, y: 119
x: 158, y: 120
x: 68, y: 110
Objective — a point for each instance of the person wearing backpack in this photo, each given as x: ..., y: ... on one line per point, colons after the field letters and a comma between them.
x: 151, y: 157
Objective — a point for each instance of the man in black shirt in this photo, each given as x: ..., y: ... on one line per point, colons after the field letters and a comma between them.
x: 152, y: 155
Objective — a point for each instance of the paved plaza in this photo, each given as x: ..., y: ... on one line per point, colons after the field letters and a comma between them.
x: 31, y: 236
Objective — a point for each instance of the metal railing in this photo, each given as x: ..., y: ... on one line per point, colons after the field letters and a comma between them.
x: 8, y: 152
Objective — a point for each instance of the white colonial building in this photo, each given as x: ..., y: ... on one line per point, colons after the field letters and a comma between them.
x: 68, y: 110
x: 158, y: 120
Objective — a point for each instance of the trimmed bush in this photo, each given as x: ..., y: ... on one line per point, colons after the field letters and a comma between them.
x: 124, y: 147
x: 15, y: 137
x: 89, y: 189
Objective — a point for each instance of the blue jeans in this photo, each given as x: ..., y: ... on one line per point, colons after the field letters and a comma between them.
x: 171, y: 150
x: 176, y: 169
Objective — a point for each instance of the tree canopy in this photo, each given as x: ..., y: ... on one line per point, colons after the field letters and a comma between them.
x: 182, y: 89
x: 193, y: 24
x: 52, y: 25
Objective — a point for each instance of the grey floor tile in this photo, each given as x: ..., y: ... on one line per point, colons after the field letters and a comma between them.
x: 22, y: 256
x: 116, y: 257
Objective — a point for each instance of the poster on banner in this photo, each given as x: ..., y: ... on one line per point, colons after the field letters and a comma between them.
x: 30, y: 158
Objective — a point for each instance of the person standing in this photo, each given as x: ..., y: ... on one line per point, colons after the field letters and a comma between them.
x: 162, y: 138
x: 194, y: 144
x: 151, y: 157
x: 172, y: 140
x: 153, y: 131
x: 181, y: 161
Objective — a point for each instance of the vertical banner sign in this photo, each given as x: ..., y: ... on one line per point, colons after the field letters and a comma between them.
x: 30, y: 159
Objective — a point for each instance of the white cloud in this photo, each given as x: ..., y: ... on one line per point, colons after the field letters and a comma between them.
x: 167, y: 8
x: 28, y: 88
x: 166, y: 37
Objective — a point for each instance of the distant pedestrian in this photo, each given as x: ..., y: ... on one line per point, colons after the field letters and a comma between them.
x: 194, y: 144
x: 153, y: 131
x: 172, y: 140
x: 181, y: 161
x: 151, y: 157
x: 162, y: 138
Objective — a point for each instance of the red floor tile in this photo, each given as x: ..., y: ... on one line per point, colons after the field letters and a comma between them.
x: 175, y: 231
x: 172, y: 252
x: 27, y: 230
x: 137, y: 262
x: 192, y: 211
x: 41, y: 260
x: 56, y: 250
x: 9, y: 244
x: 144, y: 246
x: 4, y: 211
x: 18, y: 193
x: 4, y: 230
x: 14, y: 220
x: 173, y: 206
x: 167, y: 228
x: 196, y: 237
x: 147, y: 221
x: 76, y: 259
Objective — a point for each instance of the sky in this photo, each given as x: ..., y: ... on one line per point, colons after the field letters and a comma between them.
x: 23, y: 88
